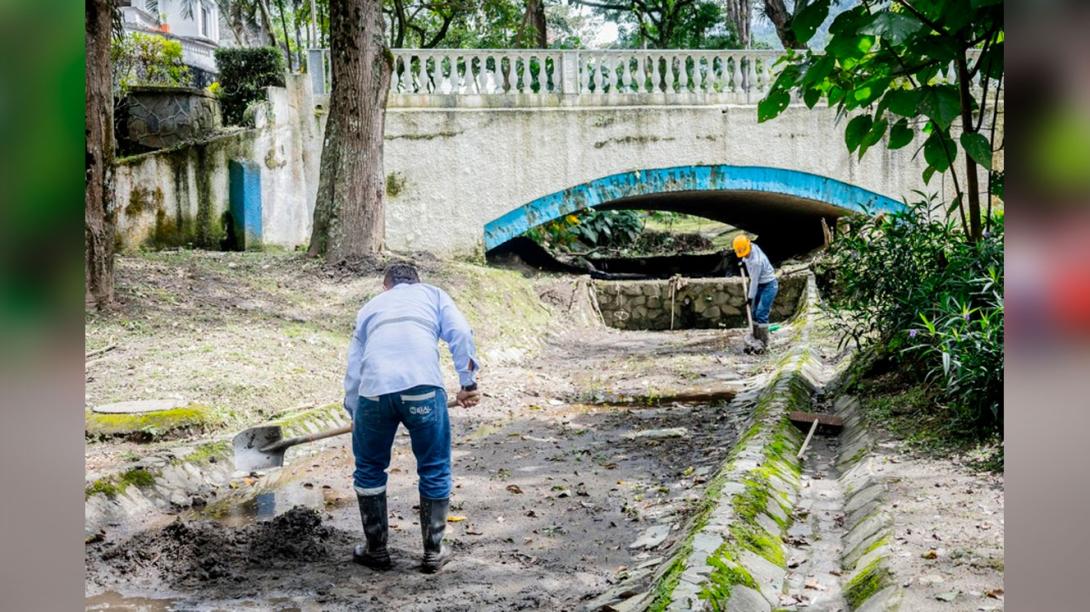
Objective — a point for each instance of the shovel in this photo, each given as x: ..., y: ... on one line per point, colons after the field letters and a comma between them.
x: 263, y: 448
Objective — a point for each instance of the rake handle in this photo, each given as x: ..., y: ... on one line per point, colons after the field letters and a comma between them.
x: 321, y: 435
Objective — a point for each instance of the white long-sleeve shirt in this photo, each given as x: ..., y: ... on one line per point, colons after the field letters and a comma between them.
x: 758, y: 268
x: 396, y: 343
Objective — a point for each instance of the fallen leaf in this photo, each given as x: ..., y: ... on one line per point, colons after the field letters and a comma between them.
x: 931, y: 554
x: 814, y: 584
x: 455, y: 518
x: 514, y: 488
x: 994, y: 593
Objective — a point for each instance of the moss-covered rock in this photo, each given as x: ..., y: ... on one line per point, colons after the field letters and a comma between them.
x: 156, y: 425
x: 112, y: 486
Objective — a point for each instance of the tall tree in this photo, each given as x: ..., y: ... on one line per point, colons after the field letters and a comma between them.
x: 903, y: 65
x: 99, y: 155
x: 669, y: 24
x: 349, y: 216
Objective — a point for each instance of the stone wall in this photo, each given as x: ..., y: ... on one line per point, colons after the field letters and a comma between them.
x: 697, y: 302
x: 160, y: 117
x: 179, y: 196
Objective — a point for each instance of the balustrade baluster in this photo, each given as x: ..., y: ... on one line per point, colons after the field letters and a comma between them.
x: 542, y: 78
x: 683, y: 76
x: 654, y: 73
x: 698, y: 81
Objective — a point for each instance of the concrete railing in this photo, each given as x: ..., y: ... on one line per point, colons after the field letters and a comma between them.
x: 667, y: 75
x: 530, y: 77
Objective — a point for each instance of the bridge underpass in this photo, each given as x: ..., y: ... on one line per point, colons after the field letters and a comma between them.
x: 784, y: 208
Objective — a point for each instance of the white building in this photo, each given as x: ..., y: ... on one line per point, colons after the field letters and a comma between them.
x: 194, y: 23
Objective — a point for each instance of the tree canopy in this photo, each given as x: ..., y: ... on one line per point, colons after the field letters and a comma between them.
x: 903, y: 69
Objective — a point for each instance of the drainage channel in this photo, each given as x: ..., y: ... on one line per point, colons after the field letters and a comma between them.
x: 815, y: 537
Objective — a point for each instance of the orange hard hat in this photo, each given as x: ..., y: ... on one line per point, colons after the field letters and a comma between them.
x: 741, y: 245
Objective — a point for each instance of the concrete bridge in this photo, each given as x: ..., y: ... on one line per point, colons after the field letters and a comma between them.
x: 481, y: 145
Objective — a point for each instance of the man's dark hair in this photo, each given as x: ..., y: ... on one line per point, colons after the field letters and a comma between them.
x: 401, y: 273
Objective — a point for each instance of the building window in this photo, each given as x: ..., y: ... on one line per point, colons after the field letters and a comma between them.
x: 206, y: 21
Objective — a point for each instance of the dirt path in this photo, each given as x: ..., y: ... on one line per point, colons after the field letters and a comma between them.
x: 550, y: 492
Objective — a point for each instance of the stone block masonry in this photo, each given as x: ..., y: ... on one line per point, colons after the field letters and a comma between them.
x: 688, y: 303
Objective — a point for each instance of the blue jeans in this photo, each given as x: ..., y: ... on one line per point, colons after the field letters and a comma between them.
x: 423, y: 410
x: 766, y: 293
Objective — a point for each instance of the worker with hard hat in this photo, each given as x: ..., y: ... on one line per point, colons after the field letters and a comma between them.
x: 762, y: 285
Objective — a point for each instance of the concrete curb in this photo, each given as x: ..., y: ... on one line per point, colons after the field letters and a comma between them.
x: 868, y: 583
x: 168, y: 484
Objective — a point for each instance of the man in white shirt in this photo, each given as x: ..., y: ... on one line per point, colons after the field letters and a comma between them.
x: 393, y: 378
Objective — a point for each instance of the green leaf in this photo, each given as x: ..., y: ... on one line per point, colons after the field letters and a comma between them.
x: 848, y: 21
x: 904, y: 102
x: 773, y: 104
x: 809, y: 19
x: 900, y: 134
x: 849, y: 47
x: 927, y: 174
x: 991, y: 61
x: 978, y: 148
x: 892, y: 27
x: 811, y: 97
x: 939, y: 151
x: 856, y: 130
x: 941, y: 103
x: 870, y: 90
x: 877, y: 130
x: 819, y: 70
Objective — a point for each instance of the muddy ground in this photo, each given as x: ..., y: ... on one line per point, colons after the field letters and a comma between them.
x: 551, y: 487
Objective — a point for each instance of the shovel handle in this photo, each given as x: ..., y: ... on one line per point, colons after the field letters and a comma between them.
x: 745, y: 290
x: 321, y: 435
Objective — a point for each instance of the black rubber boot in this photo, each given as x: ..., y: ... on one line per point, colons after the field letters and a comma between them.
x: 761, y: 330
x: 376, y: 526
x: 751, y: 343
x: 433, y: 522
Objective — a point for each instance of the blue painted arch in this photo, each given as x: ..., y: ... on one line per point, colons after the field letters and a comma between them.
x: 642, y: 186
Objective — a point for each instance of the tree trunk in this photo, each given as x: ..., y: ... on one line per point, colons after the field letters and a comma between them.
x: 535, y: 32
x: 777, y: 13
x: 740, y: 14
x: 99, y: 156
x: 266, y: 20
x: 972, y: 185
x: 349, y: 219
x: 287, y: 35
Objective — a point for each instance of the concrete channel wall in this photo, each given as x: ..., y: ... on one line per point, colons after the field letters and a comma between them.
x: 173, y: 479
x: 688, y: 303
x: 733, y: 557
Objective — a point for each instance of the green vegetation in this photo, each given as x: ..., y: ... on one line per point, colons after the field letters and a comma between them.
x: 112, y: 486
x: 146, y: 59
x: 726, y: 574
x: 244, y: 74
x: 897, y: 65
x: 865, y: 583
x: 589, y: 228
x: 153, y: 425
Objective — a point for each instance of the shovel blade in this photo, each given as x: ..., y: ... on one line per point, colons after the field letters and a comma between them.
x: 248, y: 444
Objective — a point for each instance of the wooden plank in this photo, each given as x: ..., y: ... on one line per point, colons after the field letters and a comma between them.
x: 829, y: 423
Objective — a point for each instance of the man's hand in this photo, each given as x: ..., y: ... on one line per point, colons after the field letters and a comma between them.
x: 468, y: 399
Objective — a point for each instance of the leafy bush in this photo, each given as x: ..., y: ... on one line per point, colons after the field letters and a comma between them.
x: 146, y: 59
x: 244, y: 75
x: 932, y: 301
x: 590, y: 228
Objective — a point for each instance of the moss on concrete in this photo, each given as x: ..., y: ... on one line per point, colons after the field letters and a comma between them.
x: 760, y: 542
x: 865, y: 583
x: 150, y: 426
x: 112, y: 486
x: 727, y: 573
x: 664, y: 588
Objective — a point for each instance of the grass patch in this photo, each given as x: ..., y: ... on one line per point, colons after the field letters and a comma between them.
x: 913, y: 413
x: 760, y: 542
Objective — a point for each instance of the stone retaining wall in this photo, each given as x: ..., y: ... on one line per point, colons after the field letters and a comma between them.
x: 688, y: 303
